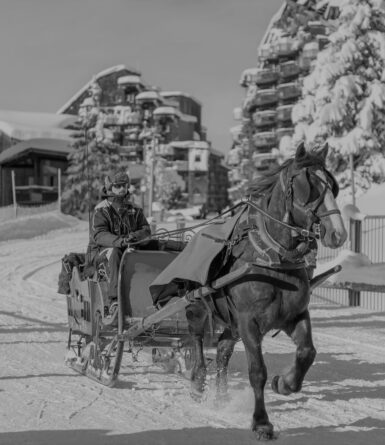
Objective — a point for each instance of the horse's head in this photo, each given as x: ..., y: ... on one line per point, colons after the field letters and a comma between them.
x: 314, y: 190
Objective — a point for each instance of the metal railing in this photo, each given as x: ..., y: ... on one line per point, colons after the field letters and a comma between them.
x: 366, y: 236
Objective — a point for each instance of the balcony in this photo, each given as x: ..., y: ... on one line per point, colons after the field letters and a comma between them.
x: 287, y: 131
x: 288, y: 91
x: 265, y: 140
x: 305, y: 63
x: 266, y: 76
x: 288, y: 70
x: 268, y: 53
x: 248, y: 77
x: 284, y: 113
x: 322, y: 42
x: 311, y: 50
x: 265, y: 98
x: 266, y: 118
x: 316, y: 28
x: 286, y: 47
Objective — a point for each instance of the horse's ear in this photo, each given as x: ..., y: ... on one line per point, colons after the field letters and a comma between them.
x: 324, y: 151
x: 301, y: 151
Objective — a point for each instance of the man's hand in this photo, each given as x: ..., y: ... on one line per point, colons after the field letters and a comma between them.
x: 127, y: 240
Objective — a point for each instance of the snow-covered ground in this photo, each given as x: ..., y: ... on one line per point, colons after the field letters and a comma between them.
x: 44, y: 402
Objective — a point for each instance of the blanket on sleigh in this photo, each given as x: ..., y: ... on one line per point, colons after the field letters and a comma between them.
x: 193, y: 264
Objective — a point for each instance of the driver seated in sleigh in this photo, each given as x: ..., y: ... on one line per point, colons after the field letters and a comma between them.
x: 116, y: 222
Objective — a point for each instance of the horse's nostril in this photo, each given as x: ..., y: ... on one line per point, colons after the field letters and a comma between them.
x: 336, y: 238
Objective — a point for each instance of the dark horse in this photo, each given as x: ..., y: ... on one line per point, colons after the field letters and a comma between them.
x: 288, y: 209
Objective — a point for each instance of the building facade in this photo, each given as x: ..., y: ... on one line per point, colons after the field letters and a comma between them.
x: 264, y: 129
x: 149, y: 124
x: 134, y: 115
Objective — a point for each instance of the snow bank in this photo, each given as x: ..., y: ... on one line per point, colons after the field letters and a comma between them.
x: 356, y: 268
x: 35, y: 225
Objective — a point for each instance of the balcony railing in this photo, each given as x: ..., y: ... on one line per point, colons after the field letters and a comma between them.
x: 265, y: 140
x: 288, y: 91
x: 289, y: 69
x: 266, y: 76
x: 284, y: 113
x: 265, y: 118
x: 264, y: 98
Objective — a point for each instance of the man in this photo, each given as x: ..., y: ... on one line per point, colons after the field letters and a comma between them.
x: 115, y: 224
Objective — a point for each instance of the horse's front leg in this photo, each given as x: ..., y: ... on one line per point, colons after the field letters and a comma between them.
x: 252, y: 339
x: 196, y: 315
x: 300, y: 332
x: 225, y: 350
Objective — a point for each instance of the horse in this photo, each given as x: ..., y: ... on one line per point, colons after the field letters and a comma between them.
x: 288, y: 208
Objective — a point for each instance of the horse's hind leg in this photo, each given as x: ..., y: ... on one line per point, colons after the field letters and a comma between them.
x: 225, y: 350
x: 300, y: 332
x: 252, y: 339
x: 196, y: 316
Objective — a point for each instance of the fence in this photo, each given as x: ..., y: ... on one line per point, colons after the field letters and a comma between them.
x: 11, y: 212
x: 367, y: 237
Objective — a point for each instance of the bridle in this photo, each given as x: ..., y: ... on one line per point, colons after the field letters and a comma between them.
x: 310, y: 211
x: 256, y: 221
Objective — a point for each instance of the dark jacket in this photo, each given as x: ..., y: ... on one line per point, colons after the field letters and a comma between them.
x: 113, y: 224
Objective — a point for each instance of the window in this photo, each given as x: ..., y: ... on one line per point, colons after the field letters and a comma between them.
x: 198, y: 158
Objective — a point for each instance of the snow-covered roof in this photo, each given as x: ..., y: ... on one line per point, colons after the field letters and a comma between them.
x: 27, y: 118
x: 203, y: 145
x: 59, y: 146
x: 25, y: 132
x: 167, y: 110
x: 179, y: 93
x: 130, y: 80
x: 149, y: 95
x: 188, y: 118
x: 106, y: 72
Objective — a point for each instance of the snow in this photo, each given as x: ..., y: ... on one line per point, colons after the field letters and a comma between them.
x: 356, y: 268
x: 44, y: 402
x: 373, y: 202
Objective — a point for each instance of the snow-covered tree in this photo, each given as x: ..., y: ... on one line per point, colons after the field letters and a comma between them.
x: 344, y: 96
x: 94, y: 157
x: 167, y: 182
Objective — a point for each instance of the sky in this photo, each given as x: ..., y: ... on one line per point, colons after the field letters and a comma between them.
x: 49, y: 49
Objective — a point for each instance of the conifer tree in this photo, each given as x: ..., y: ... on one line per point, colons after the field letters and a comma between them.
x: 94, y: 157
x: 343, y: 98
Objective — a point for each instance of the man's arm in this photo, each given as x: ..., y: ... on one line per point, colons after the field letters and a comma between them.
x: 142, y: 227
x: 101, y: 231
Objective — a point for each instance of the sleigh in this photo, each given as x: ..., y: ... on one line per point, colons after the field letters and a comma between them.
x: 97, y: 340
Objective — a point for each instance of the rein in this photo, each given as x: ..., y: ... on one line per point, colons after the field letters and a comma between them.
x: 169, y: 233
x: 305, y: 233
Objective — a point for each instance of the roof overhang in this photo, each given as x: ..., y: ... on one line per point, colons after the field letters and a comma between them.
x: 104, y: 73
x: 51, y: 147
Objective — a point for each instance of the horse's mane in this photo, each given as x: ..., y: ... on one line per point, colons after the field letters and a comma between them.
x: 265, y: 183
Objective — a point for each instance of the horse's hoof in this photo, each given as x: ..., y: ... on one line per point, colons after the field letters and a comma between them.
x: 264, y: 432
x: 274, y: 384
x: 279, y: 386
x: 197, y: 396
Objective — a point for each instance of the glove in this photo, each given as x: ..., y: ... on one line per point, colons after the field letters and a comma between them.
x: 127, y: 240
